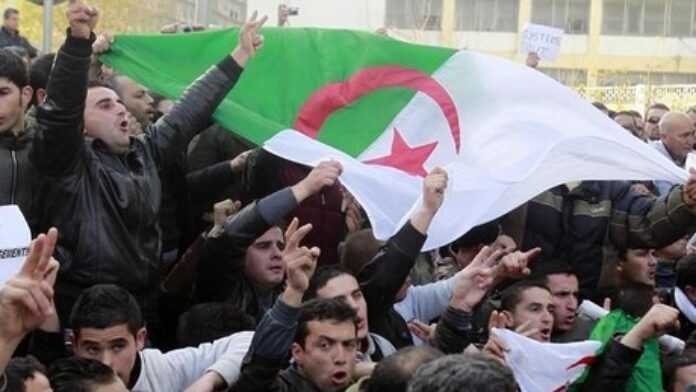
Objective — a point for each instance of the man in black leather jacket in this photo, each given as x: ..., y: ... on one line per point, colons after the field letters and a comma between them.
x: 104, y: 187
x: 17, y: 174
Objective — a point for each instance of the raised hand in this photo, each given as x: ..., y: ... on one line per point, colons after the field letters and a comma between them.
x: 659, y: 320
x: 224, y: 209
x: 300, y: 262
x: 516, y: 265
x: 325, y: 174
x: 249, y: 40
x: 26, y: 300
x: 82, y: 19
x: 474, y: 281
x: 103, y: 43
x: 434, y: 186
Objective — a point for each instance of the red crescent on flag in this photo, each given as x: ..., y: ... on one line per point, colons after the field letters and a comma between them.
x: 334, y: 96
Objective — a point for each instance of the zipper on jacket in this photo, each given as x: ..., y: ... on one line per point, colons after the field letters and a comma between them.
x: 13, y: 187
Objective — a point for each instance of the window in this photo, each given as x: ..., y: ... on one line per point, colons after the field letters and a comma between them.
x: 414, y: 14
x: 649, y: 17
x: 573, y: 16
x: 487, y: 15
x: 682, y: 15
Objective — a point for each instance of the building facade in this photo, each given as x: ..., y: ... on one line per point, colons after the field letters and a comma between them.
x: 606, y: 42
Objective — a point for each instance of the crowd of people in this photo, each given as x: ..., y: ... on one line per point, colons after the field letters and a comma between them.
x: 172, y: 255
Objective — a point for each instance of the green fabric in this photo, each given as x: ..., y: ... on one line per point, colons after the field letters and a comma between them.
x: 647, y: 374
x: 292, y: 65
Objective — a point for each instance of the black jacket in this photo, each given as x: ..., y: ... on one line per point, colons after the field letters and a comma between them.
x: 12, y: 38
x: 106, y: 205
x: 381, y: 280
x: 18, y: 178
x: 613, y: 368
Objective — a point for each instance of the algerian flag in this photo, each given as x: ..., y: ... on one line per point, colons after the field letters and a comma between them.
x: 545, y: 367
x: 391, y: 111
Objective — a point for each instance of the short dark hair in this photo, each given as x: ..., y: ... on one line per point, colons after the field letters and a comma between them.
x: 106, y: 305
x: 480, y: 235
x: 358, y: 250
x: 657, y: 105
x: 635, y: 113
x: 670, y: 365
x: 322, y: 309
x: 686, y: 271
x: 210, y: 321
x: 463, y: 373
x: 21, y: 369
x: 13, y: 68
x: 691, y: 109
x: 79, y: 375
x: 393, y: 373
x: 40, y: 71
x: 542, y: 269
x: 321, y: 277
x: 512, y: 295
x: 625, y: 113
x: 9, y: 12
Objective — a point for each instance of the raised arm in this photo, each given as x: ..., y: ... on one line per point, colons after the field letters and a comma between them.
x: 170, y: 136
x: 59, y: 144
x: 642, y: 222
x: 382, y: 278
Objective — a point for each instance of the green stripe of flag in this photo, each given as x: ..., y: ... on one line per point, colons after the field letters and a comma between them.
x: 293, y: 64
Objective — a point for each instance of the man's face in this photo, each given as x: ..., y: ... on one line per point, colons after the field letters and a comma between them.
x: 105, y: 119
x: 115, y: 347
x: 264, y: 262
x: 37, y: 383
x: 628, y: 123
x: 639, y: 267
x: 346, y: 287
x: 13, y: 103
x: 536, y: 309
x: 683, y: 377
x: 652, y: 119
x: 328, y: 356
x: 564, y: 291
x: 680, y: 138
x: 12, y: 22
x: 137, y: 100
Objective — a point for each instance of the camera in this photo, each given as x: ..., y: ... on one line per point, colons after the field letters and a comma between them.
x: 293, y: 11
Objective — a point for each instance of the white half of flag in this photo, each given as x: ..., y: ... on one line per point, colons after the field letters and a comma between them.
x: 522, y: 133
x: 546, y: 367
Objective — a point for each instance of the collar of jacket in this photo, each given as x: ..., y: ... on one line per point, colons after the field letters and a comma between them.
x: 15, y: 142
x: 8, y: 31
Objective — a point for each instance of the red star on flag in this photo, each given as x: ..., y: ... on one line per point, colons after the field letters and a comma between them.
x: 406, y: 158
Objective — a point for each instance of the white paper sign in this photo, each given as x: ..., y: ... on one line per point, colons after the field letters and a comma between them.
x: 15, y: 238
x: 545, y: 41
